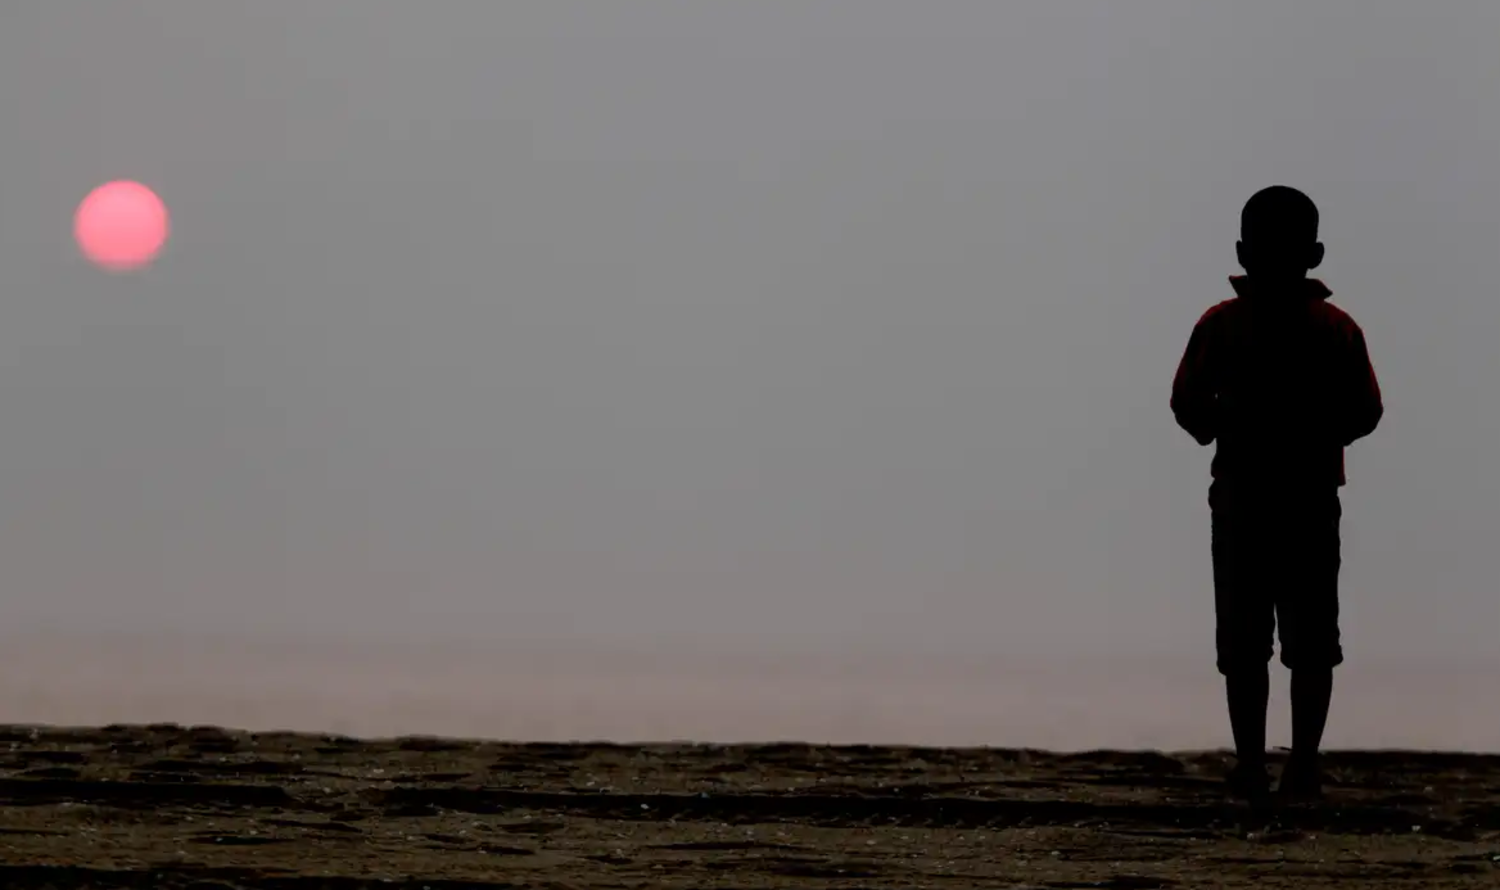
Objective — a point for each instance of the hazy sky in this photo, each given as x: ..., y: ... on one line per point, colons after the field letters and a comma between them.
x: 813, y: 322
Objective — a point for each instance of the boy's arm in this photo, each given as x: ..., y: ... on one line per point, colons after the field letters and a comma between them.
x: 1363, y: 407
x: 1195, y: 389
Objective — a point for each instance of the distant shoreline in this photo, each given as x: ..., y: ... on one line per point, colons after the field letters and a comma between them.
x: 552, y: 693
x: 56, y: 733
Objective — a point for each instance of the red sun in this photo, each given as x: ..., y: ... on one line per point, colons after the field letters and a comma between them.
x: 121, y: 226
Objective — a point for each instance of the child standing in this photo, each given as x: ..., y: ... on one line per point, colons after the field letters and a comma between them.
x: 1281, y: 379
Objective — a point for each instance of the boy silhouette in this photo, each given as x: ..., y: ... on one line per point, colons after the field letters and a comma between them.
x: 1281, y: 379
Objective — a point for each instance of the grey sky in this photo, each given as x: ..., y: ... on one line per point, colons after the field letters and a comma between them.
x: 834, y: 323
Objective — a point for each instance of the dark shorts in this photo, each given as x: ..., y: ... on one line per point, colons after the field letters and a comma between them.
x: 1276, y: 562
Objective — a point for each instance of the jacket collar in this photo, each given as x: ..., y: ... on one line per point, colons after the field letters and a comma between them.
x: 1307, y: 288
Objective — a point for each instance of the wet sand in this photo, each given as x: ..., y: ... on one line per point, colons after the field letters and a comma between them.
x: 164, y: 806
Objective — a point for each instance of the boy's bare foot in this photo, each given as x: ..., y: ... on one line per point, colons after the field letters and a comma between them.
x: 1249, y: 782
x: 1301, y: 780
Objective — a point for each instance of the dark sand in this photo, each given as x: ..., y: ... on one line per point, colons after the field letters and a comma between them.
x: 168, y: 807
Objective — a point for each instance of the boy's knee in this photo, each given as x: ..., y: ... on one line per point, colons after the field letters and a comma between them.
x: 1323, y: 658
x: 1242, y: 652
x: 1242, y: 663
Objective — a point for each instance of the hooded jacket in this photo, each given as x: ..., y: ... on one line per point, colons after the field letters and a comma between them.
x: 1282, y: 380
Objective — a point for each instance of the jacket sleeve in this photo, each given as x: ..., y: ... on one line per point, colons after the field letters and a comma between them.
x: 1195, y: 388
x: 1363, y: 407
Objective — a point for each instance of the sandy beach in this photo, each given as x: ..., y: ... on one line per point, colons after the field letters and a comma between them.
x: 166, y: 806
x: 359, y: 765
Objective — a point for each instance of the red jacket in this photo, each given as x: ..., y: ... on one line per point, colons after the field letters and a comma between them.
x: 1283, y: 381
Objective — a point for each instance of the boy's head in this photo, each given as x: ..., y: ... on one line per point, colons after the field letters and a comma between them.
x: 1279, y: 235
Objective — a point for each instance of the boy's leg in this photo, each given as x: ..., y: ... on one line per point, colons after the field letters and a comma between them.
x: 1245, y: 625
x: 1249, y: 691
x: 1310, y: 644
x: 1312, y: 691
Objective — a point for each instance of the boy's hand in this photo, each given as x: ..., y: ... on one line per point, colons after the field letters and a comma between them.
x: 1195, y: 397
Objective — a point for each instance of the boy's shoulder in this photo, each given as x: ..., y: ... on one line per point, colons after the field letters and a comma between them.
x: 1335, y: 315
x: 1218, y: 312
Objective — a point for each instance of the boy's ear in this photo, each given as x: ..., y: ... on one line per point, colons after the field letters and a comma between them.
x: 1239, y: 253
x: 1315, y: 256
